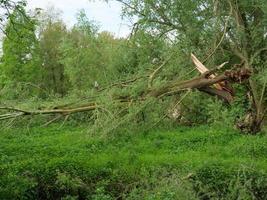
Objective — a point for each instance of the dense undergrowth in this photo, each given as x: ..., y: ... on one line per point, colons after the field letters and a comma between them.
x: 114, y: 151
x: 186, y: 163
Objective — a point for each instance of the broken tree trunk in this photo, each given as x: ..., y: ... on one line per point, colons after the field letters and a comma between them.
x: 202, y: 83
x: 206, y: 84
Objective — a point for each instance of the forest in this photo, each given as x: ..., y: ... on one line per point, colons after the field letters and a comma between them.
x: 175, y: 110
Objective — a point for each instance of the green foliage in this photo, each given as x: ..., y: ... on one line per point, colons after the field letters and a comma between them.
x: 121, y: 150
x: 216, y: 31
x: 7, y: 7
x: 52, y: 33
x: 20, y: 61
x: 80, y: 55
x: 45, y: 163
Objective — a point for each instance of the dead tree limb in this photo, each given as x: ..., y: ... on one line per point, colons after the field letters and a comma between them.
x: 15, y: 112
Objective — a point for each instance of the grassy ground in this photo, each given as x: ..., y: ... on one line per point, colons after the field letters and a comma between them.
x: 187, y: 163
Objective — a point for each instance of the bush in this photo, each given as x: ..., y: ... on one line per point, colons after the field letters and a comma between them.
x: 216, y: 181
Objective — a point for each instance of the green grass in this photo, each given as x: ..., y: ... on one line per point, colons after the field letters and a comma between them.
x: 68, y: 163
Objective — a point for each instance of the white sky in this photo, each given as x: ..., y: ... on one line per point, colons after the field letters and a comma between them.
x: 106, y: 14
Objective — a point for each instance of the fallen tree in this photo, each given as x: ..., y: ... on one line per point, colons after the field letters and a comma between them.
x: 209, y: 82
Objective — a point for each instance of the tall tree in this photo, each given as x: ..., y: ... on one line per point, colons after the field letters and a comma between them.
x: 51, y: 34
x: 80, y: 54
x: 20, y: 61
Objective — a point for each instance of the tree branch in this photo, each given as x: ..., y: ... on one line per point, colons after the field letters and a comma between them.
x: 202, y: 83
